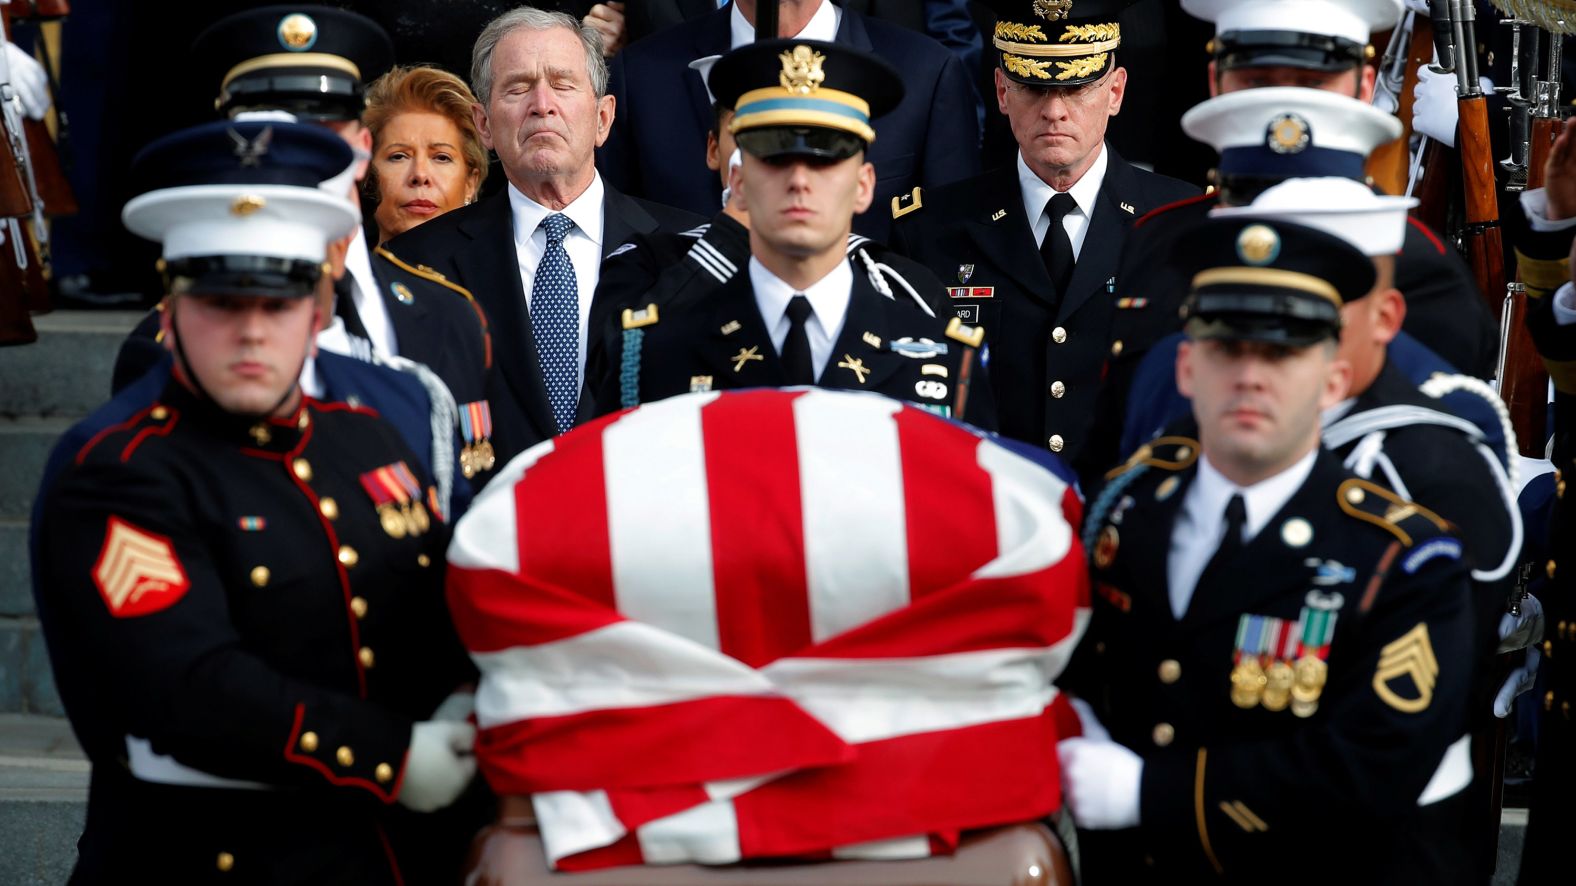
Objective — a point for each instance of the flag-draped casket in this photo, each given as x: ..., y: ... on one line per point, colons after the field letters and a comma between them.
x: 771, y: 623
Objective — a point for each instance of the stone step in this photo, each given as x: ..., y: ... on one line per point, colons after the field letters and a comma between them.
x: 24, y: 448
x: 67, y: 371
x: 16, y: 593
x: 27, y: 683
x: 43, y: 799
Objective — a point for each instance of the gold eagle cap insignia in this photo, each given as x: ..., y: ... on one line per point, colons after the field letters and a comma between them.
x: 1052, y: 10
x: 802, y: 73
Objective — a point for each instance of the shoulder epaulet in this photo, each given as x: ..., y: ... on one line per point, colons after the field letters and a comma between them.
x: 423, y: 272
x: 1375, y: 504
x: 1165, y: 453
x: 973, y: 336
x: 905, y: 203
x: 637, y: 319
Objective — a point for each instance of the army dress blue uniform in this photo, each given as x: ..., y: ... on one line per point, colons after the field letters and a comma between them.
x: 1315, y: 773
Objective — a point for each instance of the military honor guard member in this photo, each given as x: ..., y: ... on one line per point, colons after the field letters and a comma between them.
x: 242, y: 586
x: 802, y: 312
x: 1280, y: 651
x: 1030, y: 252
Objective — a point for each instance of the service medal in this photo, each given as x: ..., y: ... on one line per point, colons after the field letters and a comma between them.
x: 1278, y: 679
x: 1247, y: 683
x: 419, y: 518
x: 393, y: 522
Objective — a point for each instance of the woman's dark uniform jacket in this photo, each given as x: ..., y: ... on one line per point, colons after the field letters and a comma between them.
x: 1252, y: 794
x: 1047, y: 350
x: 227, y: 590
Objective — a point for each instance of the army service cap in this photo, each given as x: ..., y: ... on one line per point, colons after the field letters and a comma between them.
x: 1316, y: 35
x: 1057, y: 43
x: 1268, y: 280
x: 804, y: 97
x: 1281, y: 132
x: 238, y: 207
x: 309, y: 61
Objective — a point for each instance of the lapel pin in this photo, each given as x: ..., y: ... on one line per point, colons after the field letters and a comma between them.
x: 731, y: 327
x: 965, y: 273
x: 744, y: 356
x: 855, y: 365
x: 999, y: 215
x: 699, y: 383
x: 1128, y: 208
x: 872, y: 339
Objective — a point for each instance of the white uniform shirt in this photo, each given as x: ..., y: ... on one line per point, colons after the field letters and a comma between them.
x: 828, y: 299
x: 1037, y: 196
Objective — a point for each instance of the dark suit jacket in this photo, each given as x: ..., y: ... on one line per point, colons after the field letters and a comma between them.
x: 657, y: 148
x: 1036, y: 339
x: 646, y: 17
x: 474, y: 247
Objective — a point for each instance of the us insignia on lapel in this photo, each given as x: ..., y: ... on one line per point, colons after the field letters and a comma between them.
x: 998, y: 215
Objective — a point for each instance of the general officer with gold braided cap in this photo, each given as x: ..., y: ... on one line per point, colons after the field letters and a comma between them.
x: 1280, y: 652
x: 803, y: 312
x: 1029, y: 252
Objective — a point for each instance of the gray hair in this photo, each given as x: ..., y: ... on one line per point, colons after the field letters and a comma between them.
x: 529, y: 18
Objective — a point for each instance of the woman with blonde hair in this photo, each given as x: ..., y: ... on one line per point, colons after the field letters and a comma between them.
x: 427, y: 157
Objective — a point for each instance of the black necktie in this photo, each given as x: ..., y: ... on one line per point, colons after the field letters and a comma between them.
x: 796, y: 347
x: 1231, y: 542
x: 345, y: 307
x: 1056, y: 250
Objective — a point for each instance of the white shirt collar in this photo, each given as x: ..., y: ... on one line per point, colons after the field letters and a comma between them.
x: 1036, y: 193
x: 1211, y: 491
x: 822, y: 25
x: 585, y: 211
x: 828, y: 296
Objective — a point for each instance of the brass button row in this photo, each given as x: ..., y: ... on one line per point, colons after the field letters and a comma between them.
x: 1163, y: 734
x: 1059, y: 335
x: 1170, y: 671
x: 1055, y: 443
x: 1058, y: 390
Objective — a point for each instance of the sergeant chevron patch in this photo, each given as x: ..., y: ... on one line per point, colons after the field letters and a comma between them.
x: 137, y: 572
x: 1411, y: 656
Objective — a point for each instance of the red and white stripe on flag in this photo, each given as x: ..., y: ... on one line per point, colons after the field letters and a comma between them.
x: 770, y: 623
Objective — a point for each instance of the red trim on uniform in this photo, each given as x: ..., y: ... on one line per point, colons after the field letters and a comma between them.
x: 263, y: 453
x: 388, y: 849
x: 1189, y: 201
x: 128, y: 423
x: 333, y: 542
x: 161, y: 430
x: 321, y: 767
x: 1432, y: 237
x: 486, y: 334
x: 322, y: 406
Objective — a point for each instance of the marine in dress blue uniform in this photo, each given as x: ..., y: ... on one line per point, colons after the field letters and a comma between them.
x: 244, y: 606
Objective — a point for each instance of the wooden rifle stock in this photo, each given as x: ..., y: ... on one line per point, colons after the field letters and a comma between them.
x: 30, y: 10
x: 15, y: 200
x: 1523, y: 378
x: 1390, y: 164
x: 49, y: 174
x: 1481, y: 237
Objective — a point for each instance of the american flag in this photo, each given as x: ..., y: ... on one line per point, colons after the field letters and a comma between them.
x: 770, y: 623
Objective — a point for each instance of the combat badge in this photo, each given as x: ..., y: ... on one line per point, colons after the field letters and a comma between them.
x: 137, y: 572
x: 917, y: 348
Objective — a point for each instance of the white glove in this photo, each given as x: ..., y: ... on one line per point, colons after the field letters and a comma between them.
x: 1434, y: 106
x: 1521, y: 631
x: 1418, y: 6
x: 457, y: 708
x: 29, y: 80
x: 1092, y: 727
x: 439, y: 766
x: 1100, y: 781
x: 1519, y: 681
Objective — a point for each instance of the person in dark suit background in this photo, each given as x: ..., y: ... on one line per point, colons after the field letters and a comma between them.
x: 659, y: 137
x: 531, y: 253
x: 1034, y: 247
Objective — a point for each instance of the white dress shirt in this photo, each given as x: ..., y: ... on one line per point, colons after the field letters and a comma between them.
x: 1037, y: 196
x: 369, y: 303
x: 1201, y: 522
x: 583, y: 243
x: 828, y: 300
x: 821, y: 26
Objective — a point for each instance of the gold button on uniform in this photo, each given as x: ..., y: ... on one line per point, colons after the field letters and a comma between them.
x: 1058, y: 389
x: 1055, y: 443
x: 225, y: 862
x: 348, y: 556
x: 344, y: 756
x: 303, y: 469
x: 384, y: 773
x: 358, y: 605
x: 159, y: 413
x: 260, y: 575
x: 1548, y: 648
x: 1116, y: 348
x: 365, y: 657
x: 423, y: 560
x: 1170, y: 671
x: 1059, y: 335
x: 1549, y: 568
x: 309, y: 741
x: 1163, y: 734
x: 328, y: 508
x: 1548, y: 700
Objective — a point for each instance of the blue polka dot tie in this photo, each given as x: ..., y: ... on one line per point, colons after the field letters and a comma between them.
x: 555, y: 322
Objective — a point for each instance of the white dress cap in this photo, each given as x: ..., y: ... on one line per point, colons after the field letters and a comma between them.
x: 1277, y: 116
x: 273, y: 221
x: 1352, y: 20
x: 1373, y: 223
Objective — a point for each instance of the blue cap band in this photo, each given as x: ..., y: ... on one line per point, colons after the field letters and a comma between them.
x: 1310, y: 162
